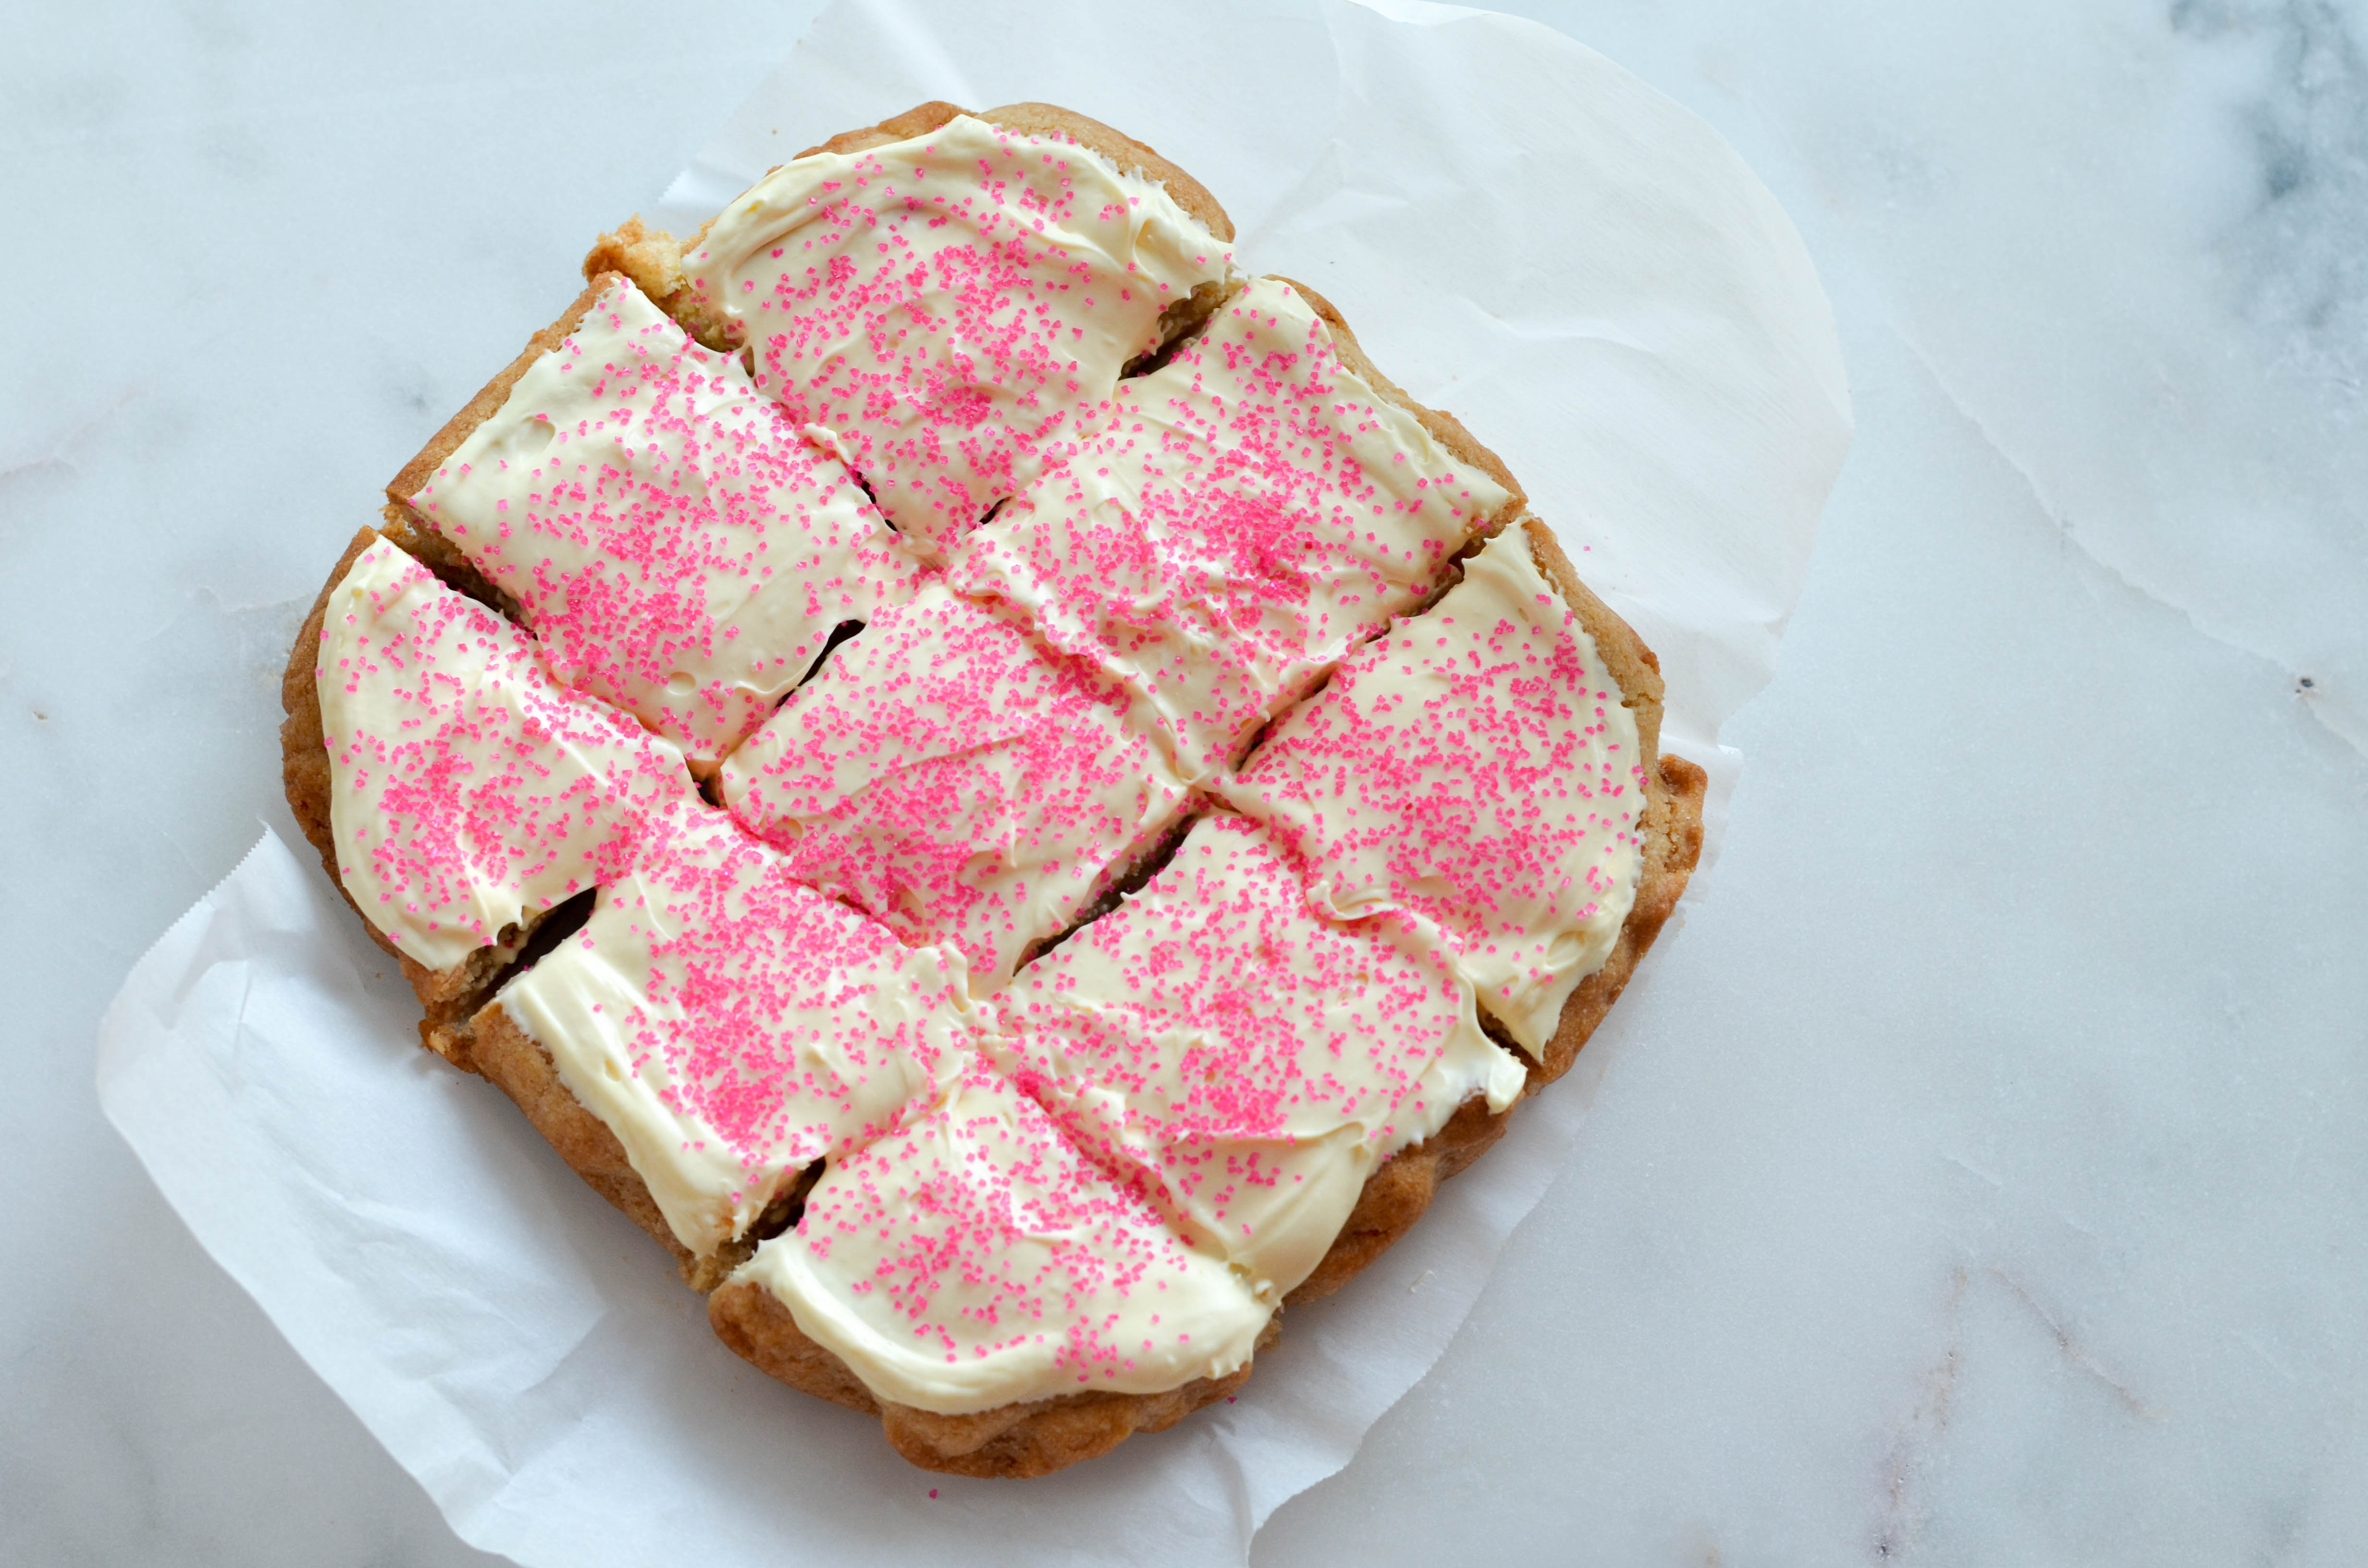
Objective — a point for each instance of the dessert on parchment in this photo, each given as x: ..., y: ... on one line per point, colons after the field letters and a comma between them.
x: 985, y: 778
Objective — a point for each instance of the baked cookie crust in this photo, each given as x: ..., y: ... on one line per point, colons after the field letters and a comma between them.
x: 463, y: 1023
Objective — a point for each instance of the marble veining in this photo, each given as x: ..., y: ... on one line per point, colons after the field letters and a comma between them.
x: 2297, y: 259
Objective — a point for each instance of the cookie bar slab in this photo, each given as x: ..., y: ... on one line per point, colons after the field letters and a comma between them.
x: 946, y: 776
x: 1250, y: 1059
x: 675, y: 544
x: 943, y: 309
x: 1074, y: 1132
x: 1236, y: 521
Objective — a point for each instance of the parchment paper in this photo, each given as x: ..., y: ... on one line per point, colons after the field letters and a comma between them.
x: 1520, y: 233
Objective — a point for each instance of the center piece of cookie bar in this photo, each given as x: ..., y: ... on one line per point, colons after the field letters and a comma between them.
x: 675, y: 543
x: 730, y: 1025
x: 948, y: 777
x: 468, y: 792
x: 1475, y: 768
x: 1236, y: 521
x: 1248, y: 1060
x: 942, y: 311
x: 976, y: 1259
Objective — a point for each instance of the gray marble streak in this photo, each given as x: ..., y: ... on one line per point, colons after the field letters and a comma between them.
x: 1982, y: 1180
x: 2296, y: 259
x: 2066, y: 209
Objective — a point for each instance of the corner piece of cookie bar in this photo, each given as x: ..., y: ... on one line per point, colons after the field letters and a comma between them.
x: 676, y: 545
x: 456, y: 794
x: 977, y: 1267
x: 942, y: 301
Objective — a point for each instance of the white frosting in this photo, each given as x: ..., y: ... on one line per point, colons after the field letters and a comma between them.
x: 1475, y: 769
x: 731, y: 1025
x: 1233, y: 524
x: 975, y: 1259
x: 944, y: 309
x: 675, y: 543
x: 1252, y: 1059
x: 466, y: 786
x: 945, y: 776
x: 1107, y: 1177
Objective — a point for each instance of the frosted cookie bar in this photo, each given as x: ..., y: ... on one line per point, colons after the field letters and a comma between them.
x: 675, y: 542
x: 989, y: 781
x: 956, y: 782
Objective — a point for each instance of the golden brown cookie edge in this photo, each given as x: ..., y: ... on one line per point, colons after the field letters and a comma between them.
x: 523, y: 1068
x: 1010, y: 1442
x: 1444, y: 427
x: 1129, y: 155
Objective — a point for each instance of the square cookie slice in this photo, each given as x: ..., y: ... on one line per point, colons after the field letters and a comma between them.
x: 728, y: 1027
x: 942, y: 309
x: 1249, y: 1060
x: 676, y: 545
x: 948, y: 777
x: 1239, y: 519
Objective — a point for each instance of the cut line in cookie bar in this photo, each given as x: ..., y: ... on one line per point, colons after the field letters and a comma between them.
x: 675, y: 543
x: 1247, y: 1060
x: 1234, y: 522
x: 945, y: 775
x: 731, y: 1027
x: 941, y: 308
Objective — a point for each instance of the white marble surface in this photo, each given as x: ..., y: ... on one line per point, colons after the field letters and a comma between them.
x: 1983, y: 1180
